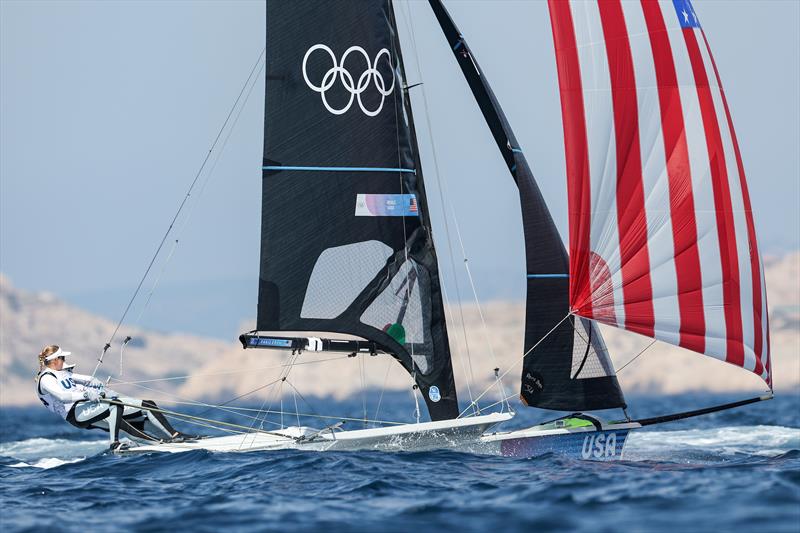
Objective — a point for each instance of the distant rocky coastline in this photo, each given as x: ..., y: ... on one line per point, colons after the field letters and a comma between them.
x: 212, y: 369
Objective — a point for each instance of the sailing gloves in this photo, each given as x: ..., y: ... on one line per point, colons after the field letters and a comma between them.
x: 93, y: 395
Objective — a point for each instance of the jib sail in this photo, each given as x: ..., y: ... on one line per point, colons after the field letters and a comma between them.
x: 569, y: 368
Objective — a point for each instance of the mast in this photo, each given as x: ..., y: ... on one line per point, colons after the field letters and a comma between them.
x: 346, y: 243
x: 569, y: 369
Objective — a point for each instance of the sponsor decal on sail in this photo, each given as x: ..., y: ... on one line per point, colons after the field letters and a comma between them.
x: 386, y: 205
x: 433, y: 394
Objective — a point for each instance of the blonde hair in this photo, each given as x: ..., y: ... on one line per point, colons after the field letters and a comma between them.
x: 47, y: 350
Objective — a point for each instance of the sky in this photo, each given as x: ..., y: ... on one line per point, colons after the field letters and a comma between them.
x: 107, y: 110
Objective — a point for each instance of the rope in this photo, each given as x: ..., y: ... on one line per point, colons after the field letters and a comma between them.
x: 185, y: 199
x: 221, y: 407
x: 363, y: 385
x: 284, y: 374
x: 311, y: 415
x: 297, y: 391
x: 501, y: 401
x: 186, y: 416
x: 296, y: 409
x: 636, y: 356
x: 383, y: 387
x: 416, y: 399
x: 236, y: 410
x: 248, y: 393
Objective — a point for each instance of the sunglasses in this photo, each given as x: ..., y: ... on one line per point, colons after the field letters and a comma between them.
x: 63, y: 358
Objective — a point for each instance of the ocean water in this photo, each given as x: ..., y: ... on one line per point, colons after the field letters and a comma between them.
x: 732, y: 471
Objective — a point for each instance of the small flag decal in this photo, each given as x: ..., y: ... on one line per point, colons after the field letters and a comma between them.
x: 386, y: 205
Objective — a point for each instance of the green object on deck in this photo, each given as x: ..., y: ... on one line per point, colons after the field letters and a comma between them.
x: 397, y: 332
x: 576, y: 423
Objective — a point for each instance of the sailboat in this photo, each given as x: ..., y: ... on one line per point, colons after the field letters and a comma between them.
x: 661, y: 235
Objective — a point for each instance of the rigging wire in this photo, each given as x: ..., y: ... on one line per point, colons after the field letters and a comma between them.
x: 203, y: 184
x: 311, y: 407
x: 363, y: 386
x: 518, y: 361
x: 405, y: 94
x: 501, y: 401
x: 296, y: 409
x: 440, y: 189
x: 241, y: 411
x: 276, y: 392
x: 186, y: 416
x: 636, y: 356
x: 185, y: 199
x: 443, y: 194
x: 221, y: 406
x: 383, y: 387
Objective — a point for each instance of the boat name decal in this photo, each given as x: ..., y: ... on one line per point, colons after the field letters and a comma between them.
x: 599, y: 445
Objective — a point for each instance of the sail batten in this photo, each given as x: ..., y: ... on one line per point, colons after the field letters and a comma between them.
x: 649, y: 138
x: 338, y: 169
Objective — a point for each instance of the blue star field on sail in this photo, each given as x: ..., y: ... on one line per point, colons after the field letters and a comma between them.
x: 686, y: 15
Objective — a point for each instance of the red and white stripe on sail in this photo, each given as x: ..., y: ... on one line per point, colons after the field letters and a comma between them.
x: 662, y: 239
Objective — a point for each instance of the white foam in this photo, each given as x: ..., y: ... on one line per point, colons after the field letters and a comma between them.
x: 752, y: 440
x: 46, y: 463
x: 50, y: 453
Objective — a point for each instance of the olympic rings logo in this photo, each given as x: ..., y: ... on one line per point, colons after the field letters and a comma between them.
x: 355, y: 89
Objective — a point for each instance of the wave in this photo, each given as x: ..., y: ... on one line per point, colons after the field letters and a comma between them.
x: 691, y: 445
x: 50, y: 453
x: 714, y: 443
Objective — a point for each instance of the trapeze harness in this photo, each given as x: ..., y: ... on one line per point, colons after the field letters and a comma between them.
x: 67, y: 395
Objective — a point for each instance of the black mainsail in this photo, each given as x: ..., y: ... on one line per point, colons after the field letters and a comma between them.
x: 569, y: 369
x: 346, y: 242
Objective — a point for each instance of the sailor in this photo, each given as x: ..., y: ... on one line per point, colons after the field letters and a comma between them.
x: 81, y: 401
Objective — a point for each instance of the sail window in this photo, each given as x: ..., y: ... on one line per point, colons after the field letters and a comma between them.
x: 402, y: 309
x: 589, y: 354
x: 339, y: 276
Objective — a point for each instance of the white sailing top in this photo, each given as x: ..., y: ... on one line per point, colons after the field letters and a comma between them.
x: 59, y: 389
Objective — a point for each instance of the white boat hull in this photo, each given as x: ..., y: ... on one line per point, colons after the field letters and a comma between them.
x: 445, y: 434
x: 588, y: 442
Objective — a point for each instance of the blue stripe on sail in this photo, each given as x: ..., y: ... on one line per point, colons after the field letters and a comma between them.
x: 340, y: 169
x: 516, y: 150
x: 533, y: 276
